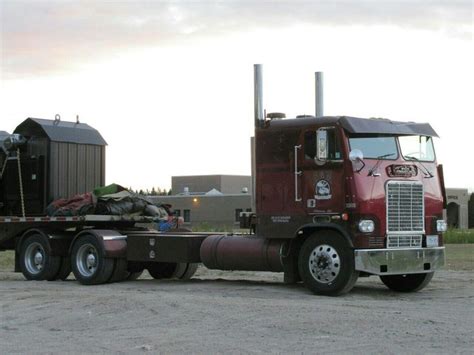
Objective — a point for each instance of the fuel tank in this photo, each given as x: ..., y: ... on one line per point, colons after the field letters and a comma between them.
x: 242, y: 253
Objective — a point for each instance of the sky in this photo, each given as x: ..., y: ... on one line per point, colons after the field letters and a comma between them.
x: 169, y: 84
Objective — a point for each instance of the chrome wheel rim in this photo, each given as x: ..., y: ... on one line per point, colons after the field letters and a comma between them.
x: 34, y: 258
x: 87, y: 260
x: 324, y: 263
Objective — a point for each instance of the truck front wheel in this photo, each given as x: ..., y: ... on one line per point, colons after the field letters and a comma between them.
x: 36, y: 261
x: 407, y: 283
x: 326, y: 264
x: 89, y: 265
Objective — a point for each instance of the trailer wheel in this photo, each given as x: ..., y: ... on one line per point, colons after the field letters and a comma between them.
x: 326, y: 264
x: 36, y: 261
x: 89, y: 265
x: 407, y: 283
x: 182, y: 271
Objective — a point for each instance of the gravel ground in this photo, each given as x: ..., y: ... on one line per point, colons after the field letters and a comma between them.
x: 219, y: 312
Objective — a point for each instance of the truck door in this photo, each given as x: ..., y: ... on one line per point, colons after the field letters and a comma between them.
x: 322, y: 174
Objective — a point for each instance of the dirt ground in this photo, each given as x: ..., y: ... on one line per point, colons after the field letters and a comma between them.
x: 221, y: 312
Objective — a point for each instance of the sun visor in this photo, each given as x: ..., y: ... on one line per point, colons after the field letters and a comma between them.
x: 384, y: 126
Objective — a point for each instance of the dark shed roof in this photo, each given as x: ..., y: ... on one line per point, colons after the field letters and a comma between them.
x: 61, y: 131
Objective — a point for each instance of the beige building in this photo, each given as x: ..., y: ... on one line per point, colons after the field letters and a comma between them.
x: 212, y: 200
x: 200, y: 184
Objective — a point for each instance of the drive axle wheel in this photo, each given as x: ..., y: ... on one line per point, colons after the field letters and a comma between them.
x: 89, y: 264
x: 120, y: 272
x: 65, y: 269
x: 326, y: 264
x: 36, y: 261
x: 182, y: 271
x: 407, y: 283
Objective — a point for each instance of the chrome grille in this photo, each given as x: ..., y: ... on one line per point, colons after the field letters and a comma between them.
x: 403, y: 241
x: 405, y: 207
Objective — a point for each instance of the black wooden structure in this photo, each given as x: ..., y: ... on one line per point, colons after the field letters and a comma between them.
x: 59, y: 160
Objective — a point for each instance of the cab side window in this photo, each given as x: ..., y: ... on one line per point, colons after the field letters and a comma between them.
x: 334, y: 145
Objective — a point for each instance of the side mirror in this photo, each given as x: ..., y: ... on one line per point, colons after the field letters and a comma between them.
x: 356, y: 155
x: 322, y: 144
x: 357, y: 158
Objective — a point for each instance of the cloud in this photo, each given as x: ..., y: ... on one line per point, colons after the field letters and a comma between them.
x: 40, y: 37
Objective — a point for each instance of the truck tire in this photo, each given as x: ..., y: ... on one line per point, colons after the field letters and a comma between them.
x: 407, y: 283
x: 326, y: 264
x: 188, y: 272
x: 135, y: 270
x: 120, y: 272
x: 162, y: 270
x: 64, y: 269
x: 182, y: 271
x: 36, y: 261
x: 89, y: 265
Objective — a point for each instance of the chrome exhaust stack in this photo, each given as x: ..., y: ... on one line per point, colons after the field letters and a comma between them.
x: 258, y: 95
x: 259, y: 123
x: 319, y: 97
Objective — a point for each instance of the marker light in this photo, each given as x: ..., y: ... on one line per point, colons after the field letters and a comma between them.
x: 366, y: 226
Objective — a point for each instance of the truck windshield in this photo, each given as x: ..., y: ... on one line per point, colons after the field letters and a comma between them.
x: 417, y: 147
x: 375, y: 147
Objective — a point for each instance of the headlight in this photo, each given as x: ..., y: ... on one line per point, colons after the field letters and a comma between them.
x: 441, y: 225
x: 366, y: 226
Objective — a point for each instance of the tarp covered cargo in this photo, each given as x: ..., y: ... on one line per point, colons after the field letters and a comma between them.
x: 109, y: 200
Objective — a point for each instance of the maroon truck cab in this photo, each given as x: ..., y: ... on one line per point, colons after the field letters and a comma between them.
x: 374, y: 183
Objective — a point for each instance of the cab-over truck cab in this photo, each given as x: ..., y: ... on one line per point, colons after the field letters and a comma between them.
x: 356, y: 196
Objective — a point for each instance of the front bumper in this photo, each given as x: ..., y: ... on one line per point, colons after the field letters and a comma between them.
x: 399, y: 261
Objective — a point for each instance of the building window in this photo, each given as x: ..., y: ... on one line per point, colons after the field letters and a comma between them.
x: 187, y: 216
x: 238, y: 211
x: 177, y: 213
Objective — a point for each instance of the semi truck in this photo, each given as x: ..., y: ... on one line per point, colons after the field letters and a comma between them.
x: 335, y: 199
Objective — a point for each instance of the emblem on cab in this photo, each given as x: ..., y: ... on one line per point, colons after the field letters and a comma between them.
x: 322, y: 190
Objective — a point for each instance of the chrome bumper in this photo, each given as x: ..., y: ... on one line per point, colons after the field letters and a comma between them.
x: 399, y: 261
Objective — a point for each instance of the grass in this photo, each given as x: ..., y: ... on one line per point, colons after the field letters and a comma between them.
x: 7, y: 260
x: 459, y: 236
